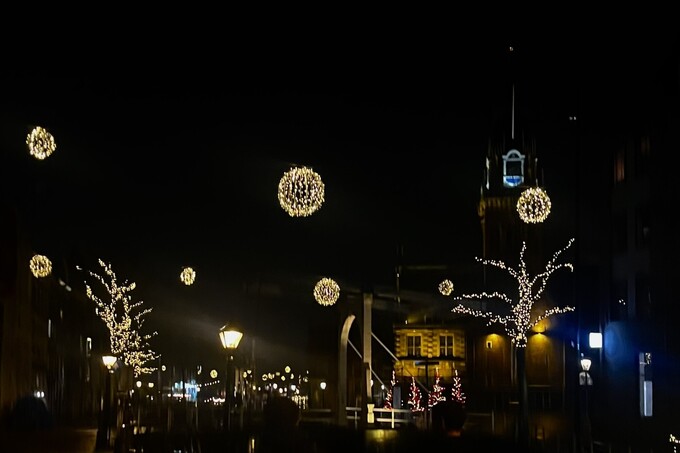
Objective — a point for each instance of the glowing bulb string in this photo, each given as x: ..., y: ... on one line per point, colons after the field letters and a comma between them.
x: 518, y: 322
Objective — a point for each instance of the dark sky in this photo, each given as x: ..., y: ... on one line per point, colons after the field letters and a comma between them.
x: 162, y: 164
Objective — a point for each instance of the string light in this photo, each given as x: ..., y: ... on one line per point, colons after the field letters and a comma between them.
x: 326, y: 291
x: 301, y: 192
x: 457, y: 394
x: 390, y: 395
x: 414, y: 397
x: 519, y: 321
x: 41, y: 266
x: 446, y: 287
x: 40, y: 143
x: 437, y: 394
x: 533, y: 205
x: 675, y: 441
x: 124, y: 320
x: 188, y: 276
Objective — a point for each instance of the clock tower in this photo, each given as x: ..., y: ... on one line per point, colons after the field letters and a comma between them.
x: 511, y: 166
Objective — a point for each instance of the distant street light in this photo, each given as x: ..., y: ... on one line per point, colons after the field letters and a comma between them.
x: 323, y: 394
x: 104, y: 431
x: 585, y: 381
x: 230, y: 338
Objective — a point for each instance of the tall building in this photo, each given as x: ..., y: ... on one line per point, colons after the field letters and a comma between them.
x: 627, y: 248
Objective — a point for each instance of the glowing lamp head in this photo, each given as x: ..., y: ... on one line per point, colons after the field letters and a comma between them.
x: 109, y: 361
x: 322, y: 385
x: 230, y: 337
x: 585, y: 363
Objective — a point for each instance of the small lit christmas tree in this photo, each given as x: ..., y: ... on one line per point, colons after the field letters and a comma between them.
x: 457, y: 394
x: 437, y: 393
x: 388, y: 401
x: 414, y: 396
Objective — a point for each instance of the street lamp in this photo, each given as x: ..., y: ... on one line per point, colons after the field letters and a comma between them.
x: 585, y: 381
x: 104, y: 431
x: 323, y: 394
x: 230, y: 338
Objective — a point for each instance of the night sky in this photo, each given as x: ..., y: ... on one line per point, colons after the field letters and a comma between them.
x: 172, y: 163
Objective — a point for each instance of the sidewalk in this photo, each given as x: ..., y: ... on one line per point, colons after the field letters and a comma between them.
x: 58, y: 440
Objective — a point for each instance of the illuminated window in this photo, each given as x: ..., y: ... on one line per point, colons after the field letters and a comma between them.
x: 413, y: 344
x: 446, y: 345
x: 513, y: 168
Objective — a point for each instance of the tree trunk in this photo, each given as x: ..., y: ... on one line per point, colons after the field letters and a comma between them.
x: 523, y: 416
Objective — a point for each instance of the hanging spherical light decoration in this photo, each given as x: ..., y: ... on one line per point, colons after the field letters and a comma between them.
x: 533, y: 205
x: 40, y: 143
x: 326, y: 291
x: 41, y: 266
x: 301, y: 192
x: 446, y: 287
x: 188, y: 276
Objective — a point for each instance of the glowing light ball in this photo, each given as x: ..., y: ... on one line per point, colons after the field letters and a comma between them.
x: 446, y: 287
x: 41, y: 266
x: 301, y: 192
x: 533, y: 205
x: 326, y: 291
x: 188, y: 276
x: 40, y: 143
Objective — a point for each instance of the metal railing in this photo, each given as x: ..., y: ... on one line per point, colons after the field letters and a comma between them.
x: 393, y: 416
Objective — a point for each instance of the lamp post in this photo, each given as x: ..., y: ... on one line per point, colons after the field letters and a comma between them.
x: 104, y: 431
x: 585, y: 381
x: 230, y: 338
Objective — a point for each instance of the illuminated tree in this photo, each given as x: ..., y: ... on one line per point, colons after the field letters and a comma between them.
x: 414, y: 396
x: 437, y: 393
x: 390, y: 392
x: 457, y: 394
x: 518, y: 321
x: 519, y: 316
x: 124, y: 320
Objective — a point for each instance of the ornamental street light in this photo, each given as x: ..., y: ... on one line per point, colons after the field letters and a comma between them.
x: 104, y: 431
x: 585, y: 381
x: 230, y: 338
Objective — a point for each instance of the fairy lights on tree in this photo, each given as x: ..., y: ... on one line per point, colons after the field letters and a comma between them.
x: 519, y: 320
x: 437, y: 393
x: 457, y: 394
x: 389, y: 403
x: 414, y: 396
x: 124, y: 319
